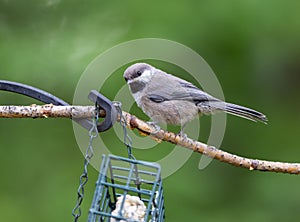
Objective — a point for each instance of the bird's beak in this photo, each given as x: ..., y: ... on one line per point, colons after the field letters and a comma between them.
x: 129, y: 81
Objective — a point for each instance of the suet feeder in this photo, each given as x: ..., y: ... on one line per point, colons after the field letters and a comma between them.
x: 128, y: 190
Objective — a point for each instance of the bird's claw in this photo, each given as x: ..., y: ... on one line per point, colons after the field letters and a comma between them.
x: 182, y: 134
x: 157, y: 128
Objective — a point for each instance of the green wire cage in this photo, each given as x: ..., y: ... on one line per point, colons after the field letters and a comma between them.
x: 128, y: 190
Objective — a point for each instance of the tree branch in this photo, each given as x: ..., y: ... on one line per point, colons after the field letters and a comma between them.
x: 132, y: 122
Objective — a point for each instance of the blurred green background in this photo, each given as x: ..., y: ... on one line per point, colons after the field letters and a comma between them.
x: 254, y: 49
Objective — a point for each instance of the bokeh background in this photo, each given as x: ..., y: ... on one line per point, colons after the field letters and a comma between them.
x: 254, y: 49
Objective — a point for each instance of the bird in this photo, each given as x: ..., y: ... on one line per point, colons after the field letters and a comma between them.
x: 168, y: 99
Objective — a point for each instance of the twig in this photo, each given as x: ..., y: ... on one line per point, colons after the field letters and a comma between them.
x: 49, y: 110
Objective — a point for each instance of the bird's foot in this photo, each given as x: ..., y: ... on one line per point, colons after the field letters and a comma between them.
x: 182, y: 134
x: 153, y: 124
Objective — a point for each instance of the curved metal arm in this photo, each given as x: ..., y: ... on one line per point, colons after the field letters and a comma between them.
x: 43, y: 96
x: 32, y: 92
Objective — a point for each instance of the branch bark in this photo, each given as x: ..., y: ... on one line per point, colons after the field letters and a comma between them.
x: 132, y: 122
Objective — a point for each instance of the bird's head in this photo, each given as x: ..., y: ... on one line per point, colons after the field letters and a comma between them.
x: 138, y: 75
x: 138, y: 72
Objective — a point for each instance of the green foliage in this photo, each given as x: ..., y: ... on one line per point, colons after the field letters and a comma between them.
x: 253, y: 47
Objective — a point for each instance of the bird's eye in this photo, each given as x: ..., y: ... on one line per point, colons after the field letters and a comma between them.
x: 139, y: 73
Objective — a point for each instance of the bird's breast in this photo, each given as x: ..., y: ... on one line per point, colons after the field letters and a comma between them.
x: 138, y: 98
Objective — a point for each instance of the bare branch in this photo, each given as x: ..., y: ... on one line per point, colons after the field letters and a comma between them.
x: 49, y: 110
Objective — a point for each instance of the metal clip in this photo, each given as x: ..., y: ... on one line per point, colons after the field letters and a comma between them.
x: 104, y: 103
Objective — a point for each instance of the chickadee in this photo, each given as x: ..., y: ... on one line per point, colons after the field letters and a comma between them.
x: 168, y: 99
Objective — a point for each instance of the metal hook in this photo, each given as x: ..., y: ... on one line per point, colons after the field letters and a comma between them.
x: 111, y: 112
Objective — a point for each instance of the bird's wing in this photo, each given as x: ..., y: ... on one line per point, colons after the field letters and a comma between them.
x: 191, y: 92
x: 174, y: 88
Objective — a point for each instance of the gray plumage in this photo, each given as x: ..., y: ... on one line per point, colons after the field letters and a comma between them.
x: 167, y: 98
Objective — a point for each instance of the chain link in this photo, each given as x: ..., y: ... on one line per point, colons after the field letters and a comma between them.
x: 89, y: 153
x: 93, y: 133
x: 127, y: 139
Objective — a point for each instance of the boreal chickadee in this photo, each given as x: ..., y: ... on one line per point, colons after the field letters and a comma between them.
x: 168, y: 99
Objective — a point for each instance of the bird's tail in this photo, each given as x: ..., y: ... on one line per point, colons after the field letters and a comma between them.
x: 244, y: 112
x: 237, y: 110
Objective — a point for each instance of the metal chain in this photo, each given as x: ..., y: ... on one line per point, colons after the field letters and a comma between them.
x: 89, y: 153
x: 127, y: 139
